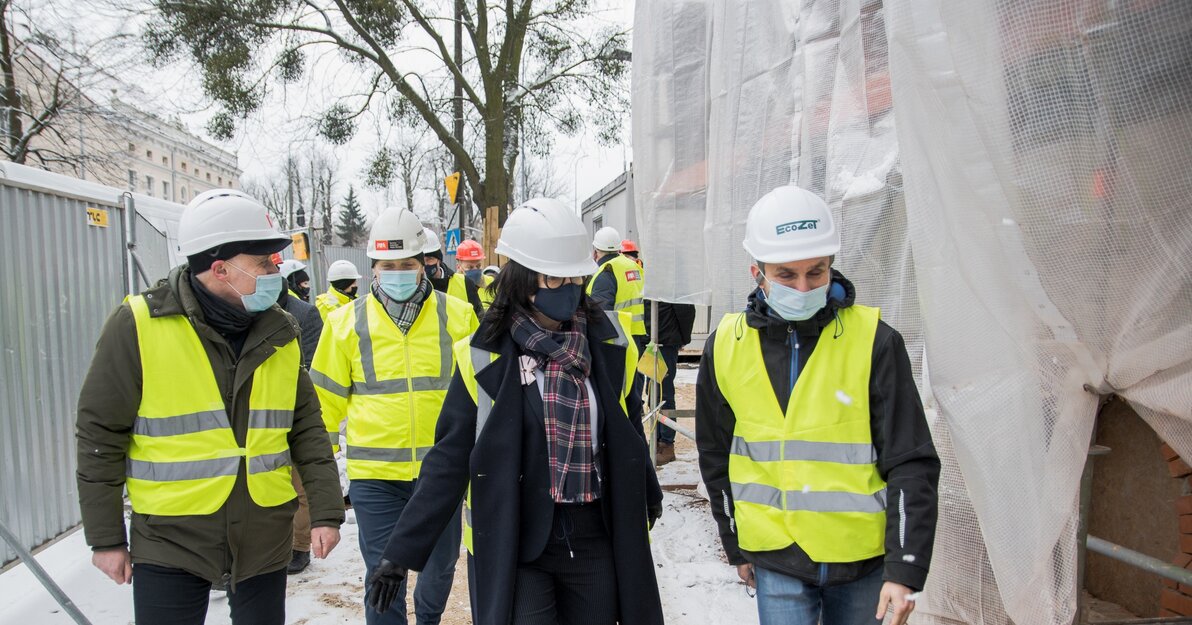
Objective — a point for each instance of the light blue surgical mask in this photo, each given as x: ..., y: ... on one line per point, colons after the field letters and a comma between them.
x: 795, y: 305
x: 400, y: 284
x: 268, y: 290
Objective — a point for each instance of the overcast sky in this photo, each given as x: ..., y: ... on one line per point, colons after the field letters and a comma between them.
x: 284, y: 123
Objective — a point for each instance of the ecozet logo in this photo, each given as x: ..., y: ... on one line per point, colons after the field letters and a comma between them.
x: 791, y: 226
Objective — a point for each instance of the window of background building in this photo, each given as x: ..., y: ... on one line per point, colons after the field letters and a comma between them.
x: 148, y: 153
x: 221, y: 181
x: 165, y: 160
x: 132, y: 180
x: 149, y: 185
x: 132, y: 148
x: 208, y: 176
x: 165, y: 190
x: 183, y: 194
x: 184, y: 167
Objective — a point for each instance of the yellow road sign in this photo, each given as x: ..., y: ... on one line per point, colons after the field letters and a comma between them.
x: 301, y: 250
x: 452, y: 182
x: 97, y: 217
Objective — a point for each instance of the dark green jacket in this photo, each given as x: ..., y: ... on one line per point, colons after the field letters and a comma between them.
x: 241, y: 539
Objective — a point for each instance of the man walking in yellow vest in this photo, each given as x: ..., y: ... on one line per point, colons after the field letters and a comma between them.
x: 444, y: 279
x: 384, y: 363
x: 811, y: 435
x: 343, y: 278
x: 197, y: 403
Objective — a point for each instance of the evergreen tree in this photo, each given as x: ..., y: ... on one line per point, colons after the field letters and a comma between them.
x: 352, y: 228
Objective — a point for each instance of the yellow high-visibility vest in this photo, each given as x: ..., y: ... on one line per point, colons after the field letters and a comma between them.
x: 809, y: 476
x: 184, y: 457
x: 630, y: 281
x: 457, y: 287
x: 329, y: 301
x: 389, y: 385
x: 486, y: 300
x: 474, y: 359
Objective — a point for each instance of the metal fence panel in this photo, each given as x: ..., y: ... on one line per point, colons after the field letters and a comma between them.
x: 354, y: 255
x: 59, y: 278
x: 153, y: 250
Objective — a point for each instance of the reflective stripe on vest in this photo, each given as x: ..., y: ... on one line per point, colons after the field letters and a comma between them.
x: 809, y: 476
x: 629, y: 292
x: 479, y: 358
x: 392, y: 412
x: 183, y: 456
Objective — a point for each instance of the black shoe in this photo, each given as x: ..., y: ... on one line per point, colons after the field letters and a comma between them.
x: 298, y: 563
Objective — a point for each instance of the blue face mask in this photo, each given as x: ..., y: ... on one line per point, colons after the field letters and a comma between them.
x: 400, y: 284
x: 795, y: 305
x: 475, y: 275
x: 268, y: 290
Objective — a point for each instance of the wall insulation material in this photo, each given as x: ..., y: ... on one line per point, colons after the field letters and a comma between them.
x: 1045, y: 152
x: 1032, y: 159
x: 670, y: 129
x: 59, y: 279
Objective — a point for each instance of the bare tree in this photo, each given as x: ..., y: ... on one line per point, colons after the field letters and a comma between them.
x: 47, y: 117
x: 524, y: 64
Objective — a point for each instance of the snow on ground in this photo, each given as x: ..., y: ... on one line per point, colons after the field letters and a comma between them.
x: 698, y: 587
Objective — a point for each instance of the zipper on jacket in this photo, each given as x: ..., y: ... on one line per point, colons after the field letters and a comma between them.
x: 793, y: 342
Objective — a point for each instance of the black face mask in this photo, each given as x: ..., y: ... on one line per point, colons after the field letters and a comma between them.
x: 559, y: 304
x: 303, y: 293
x: 351, y: 293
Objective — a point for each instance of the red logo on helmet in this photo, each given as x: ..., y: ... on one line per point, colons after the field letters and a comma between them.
x: 381, y: 245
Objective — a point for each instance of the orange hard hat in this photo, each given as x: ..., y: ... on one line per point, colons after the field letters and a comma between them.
x: 275, y: 258
x: 628, y: 245
x: 469, y: 250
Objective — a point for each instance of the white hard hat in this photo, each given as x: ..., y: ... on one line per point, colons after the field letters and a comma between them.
x: 788, y: 224
x: 221, y: 216
x: 492, y: 269
x: 432, y: 241
x: 546, y: 236
x: 607, y: 239
x: 396, y: 234
x: 342, y: 270
x: 289, y: 266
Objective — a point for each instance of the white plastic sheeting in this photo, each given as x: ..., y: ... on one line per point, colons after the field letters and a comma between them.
x: 1044, y: 149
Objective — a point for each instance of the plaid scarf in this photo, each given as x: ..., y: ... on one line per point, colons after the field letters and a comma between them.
x: 403, y: 313
x: 565, y: 362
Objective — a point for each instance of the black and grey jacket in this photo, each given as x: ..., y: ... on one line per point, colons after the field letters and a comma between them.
x: 906, y: 456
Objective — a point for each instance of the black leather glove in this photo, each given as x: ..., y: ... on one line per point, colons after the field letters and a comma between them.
x: 384, y: 584
x: 653, y: 513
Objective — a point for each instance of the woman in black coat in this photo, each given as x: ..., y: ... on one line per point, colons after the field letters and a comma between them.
x: 562, y: 490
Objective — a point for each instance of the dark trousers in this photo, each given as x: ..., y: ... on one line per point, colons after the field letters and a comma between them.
x: 574, y: 581
x: 378, y: 505
x: 165, y: 596
x: 670, y: 355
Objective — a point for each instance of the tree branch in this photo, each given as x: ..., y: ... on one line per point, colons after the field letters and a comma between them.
x: 445, y: 55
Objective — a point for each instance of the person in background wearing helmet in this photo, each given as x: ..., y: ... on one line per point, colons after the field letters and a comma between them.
x: 630, y: 250
x: 384, y: 363
x: 542, y: 431
x: 617, y: 285
x: 811, y: 435
x: 468, y: 258
x: 297, y: 279
x: 343, y: 276
x: 196, y: 402
x: 447, y: 281
x: 310, y: 326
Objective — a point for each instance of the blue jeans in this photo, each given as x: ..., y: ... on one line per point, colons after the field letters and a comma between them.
x: 670, y: 355
x: 784, y: 600
x: 378, y: 505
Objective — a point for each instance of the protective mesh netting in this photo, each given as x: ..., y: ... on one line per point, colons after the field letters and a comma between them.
x: 1014, y: 183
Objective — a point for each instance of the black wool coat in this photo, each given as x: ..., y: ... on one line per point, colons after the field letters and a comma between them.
x: 512, y: 509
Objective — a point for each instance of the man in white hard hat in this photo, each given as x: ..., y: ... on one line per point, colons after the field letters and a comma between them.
x: 344, y: 283
x: 447, y: 281
x: 618, y: 281
x: 384, y: 363
x: 298, y: 281
x: 811, y: 435
x: 196, y: 403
